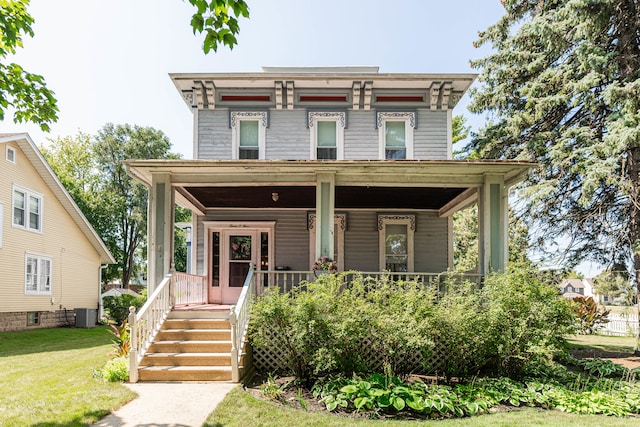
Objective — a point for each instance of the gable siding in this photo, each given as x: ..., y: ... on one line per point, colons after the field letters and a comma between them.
x: 75, y: 263
x: 288, y: 137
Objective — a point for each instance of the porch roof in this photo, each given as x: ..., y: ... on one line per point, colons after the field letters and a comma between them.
x: 381, y: 184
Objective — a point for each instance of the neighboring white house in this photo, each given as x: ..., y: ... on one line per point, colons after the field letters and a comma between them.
x: 50, y: 256
x: 296, y: 163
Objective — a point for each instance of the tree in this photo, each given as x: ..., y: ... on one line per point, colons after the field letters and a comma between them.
x: 465, y: 240
x: 562, y: 87
x: 614, y: 284
x: 23, y: 92
x: 72, y: 160
x: 122, y: 219
x: 218, y: 19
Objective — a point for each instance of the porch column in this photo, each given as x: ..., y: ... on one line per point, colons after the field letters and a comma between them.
x: 325, y: 206
x: 492, y: 225
x: 160, y: 221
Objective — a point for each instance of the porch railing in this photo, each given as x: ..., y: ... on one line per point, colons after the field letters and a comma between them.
x: 189, y: 289
x: 286, y: 279
x: 239, y: 320
x: 145, y: 324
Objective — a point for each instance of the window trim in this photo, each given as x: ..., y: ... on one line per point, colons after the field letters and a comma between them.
x: 409, y: 118
x: 239, y: 116
x: 410, y: 222
x: 14, y: 154
x: 313, y: 117
x: 39, y: 258
x: 27, y: 194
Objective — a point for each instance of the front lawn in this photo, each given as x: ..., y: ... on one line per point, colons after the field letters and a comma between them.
x: 47, y: 377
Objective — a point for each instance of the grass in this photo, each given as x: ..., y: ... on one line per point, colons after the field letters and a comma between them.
x: 239, y: 409
x: 47, y: 377
x: 602, y: 342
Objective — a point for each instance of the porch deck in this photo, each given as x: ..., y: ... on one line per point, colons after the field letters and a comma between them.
x: 202, y: 307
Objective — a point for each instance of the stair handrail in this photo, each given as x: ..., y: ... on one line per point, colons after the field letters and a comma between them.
x: 145, y: 324
x: 239, y: 320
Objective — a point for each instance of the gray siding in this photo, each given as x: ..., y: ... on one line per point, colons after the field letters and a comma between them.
x: 361, y: 138
x: 288, y: 136
x: 430, y: 138
x: 361, y: 239
x: 214, y: 134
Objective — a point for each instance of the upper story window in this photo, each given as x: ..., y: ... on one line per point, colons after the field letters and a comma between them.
x: 37, y: 274
x: 248, y: 134
x: 27, y: 209
x: 396, y: 134
x: 327, y: 135
x: 11, y: 154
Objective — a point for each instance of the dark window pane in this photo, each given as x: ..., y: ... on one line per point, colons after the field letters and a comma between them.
x: 249, y: 153
x: 393, y: 154
x: 326, y: 154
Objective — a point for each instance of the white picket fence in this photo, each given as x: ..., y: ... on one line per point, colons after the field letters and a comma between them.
x: 620, y: 324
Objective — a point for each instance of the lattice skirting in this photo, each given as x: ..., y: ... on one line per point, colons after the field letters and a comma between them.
x: 273, y: 360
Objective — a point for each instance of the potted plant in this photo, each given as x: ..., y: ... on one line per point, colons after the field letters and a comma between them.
x: 323, y: 265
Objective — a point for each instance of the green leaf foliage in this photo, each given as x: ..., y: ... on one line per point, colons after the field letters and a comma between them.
x: 25, y: 93
x: 512, y: 324
x: 218, y: 19
x: 562, y: 88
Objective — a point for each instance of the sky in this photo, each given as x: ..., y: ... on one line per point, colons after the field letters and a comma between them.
x: 108, y: 61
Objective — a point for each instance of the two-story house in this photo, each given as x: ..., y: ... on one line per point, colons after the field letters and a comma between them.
x: 296, y: 163
x: 292, y: 164
x: 50, y: 255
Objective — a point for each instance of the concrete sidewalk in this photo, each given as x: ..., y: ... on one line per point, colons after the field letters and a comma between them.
x: 168, y: 405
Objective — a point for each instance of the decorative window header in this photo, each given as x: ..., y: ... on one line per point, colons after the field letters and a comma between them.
x: 409, y: 219
x: 410, y: 116
x: 235, y: 116
x: 341, y: 217
x: 313, y: 116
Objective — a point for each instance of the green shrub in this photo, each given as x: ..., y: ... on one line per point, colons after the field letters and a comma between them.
x: 527, y: 320
x: 510, y: 326
x: 114, y: 370
x: 117, y: 307
x: 323, y: 326
x: 460, y: 330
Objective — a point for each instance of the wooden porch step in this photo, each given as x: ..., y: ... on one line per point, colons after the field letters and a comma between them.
x: 199, y: 314
x: 184, y: 373
x: 196, y: 324
x: 197, y: 346
x: 186, y: 359
x: 194, y: 335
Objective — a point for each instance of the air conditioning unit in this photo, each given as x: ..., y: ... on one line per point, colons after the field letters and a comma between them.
x: 86, y: 317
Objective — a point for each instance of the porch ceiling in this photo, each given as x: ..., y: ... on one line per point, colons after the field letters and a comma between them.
x: 304, y: 197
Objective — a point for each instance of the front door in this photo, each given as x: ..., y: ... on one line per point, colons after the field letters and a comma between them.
x: 242, y: 250
x: 232, y: 247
